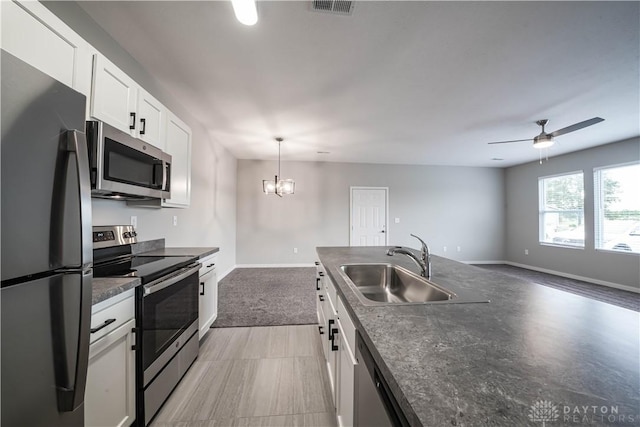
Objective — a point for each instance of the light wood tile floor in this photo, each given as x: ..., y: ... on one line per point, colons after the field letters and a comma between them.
x: 263, y: 377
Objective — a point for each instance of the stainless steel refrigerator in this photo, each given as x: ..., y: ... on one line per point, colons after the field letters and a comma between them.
x: 46, y: 249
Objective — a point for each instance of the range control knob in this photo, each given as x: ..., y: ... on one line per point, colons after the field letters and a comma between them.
x: 126, y: 234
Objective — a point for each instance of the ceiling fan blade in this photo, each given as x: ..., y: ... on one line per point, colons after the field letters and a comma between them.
x: 577, y: 126
x: 507, y: 142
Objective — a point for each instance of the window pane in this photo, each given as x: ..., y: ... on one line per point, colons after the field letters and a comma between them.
x: 618, y: 210
x: 561, y: 210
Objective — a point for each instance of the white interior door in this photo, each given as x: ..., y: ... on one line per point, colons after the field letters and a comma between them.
x: 368, y: 216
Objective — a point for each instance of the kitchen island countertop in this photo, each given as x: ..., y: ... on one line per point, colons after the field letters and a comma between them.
x: 496, y: 363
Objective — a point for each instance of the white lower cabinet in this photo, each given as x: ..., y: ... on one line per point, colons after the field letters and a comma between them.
x: 110, y: 391
x: 337, y: 333
x: 208, y: 302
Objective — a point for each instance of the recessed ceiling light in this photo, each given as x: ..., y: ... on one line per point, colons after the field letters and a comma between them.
x: 497, y: 159
x: 323, y: 152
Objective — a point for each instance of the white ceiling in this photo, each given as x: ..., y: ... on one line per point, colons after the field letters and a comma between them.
x: 395, y: 82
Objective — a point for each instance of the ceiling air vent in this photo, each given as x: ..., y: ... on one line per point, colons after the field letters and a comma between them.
x: 338, y: 7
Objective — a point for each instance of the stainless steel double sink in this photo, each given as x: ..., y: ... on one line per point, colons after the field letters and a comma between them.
x: 390, y: 284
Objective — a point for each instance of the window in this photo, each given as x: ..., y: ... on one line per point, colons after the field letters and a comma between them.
x: 562, y: 209
x: 617, y: 217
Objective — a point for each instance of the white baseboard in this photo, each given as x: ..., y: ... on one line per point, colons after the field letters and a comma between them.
x: 273, y: 265
x: 223, y: 275
x: 567, y: 275
x: 484, y: 262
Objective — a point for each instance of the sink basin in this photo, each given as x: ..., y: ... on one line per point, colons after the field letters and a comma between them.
x: 383, y: 284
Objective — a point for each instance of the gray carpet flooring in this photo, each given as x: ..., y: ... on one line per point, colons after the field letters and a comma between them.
x: 267, y: 297
x: 625, y: 299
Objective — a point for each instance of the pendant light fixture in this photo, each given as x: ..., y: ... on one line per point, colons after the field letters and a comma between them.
x: 278, y: 186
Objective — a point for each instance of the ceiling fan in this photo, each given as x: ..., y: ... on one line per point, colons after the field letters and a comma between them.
x: 545, y: 140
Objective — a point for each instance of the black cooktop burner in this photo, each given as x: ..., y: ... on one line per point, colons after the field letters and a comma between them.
x: 146, y: 268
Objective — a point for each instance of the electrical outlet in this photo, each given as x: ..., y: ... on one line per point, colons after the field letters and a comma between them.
x: 458, y: 248
x: 444, y: 249
x: 397, y: 221
x: 295, y: 250
x: 526, y: 251
x: 175, y: 220
x: 134, y: 221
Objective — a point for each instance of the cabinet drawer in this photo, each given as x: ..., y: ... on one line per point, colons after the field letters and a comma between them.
x: 347, y: 326
x: 111, y: 317
x: 208, y: 264
x: 331, y: 293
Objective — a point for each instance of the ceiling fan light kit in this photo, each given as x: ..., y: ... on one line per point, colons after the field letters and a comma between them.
x: 546, y: 140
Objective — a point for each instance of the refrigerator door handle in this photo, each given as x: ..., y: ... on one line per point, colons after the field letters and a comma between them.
x: 72, y: 360
x: 77, y: 143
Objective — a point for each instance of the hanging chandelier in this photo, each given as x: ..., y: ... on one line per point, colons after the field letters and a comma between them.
x: 278, y: 186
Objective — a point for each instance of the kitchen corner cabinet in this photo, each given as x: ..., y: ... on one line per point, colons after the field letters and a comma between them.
x: 178, y: 145
x: 208, y: 302
x: 120, y: 101
x: 34, y: 34
x: 110, y: 391
x: 337, y: 333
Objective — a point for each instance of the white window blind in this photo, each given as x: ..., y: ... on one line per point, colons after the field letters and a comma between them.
x: 617, y: 210
x: 561, y: 208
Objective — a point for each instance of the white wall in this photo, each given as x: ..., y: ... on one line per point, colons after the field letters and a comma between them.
x: 447, y: 206
x: 522, y: 218
x: 211, y: 218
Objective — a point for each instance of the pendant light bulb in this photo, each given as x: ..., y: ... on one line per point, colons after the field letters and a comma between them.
x: 245, y: 11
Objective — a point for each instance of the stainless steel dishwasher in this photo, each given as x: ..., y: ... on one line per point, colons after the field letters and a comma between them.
x: 374, y: 402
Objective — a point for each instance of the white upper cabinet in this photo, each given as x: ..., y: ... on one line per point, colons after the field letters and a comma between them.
x: 34, y: 34
x: 121, y: 102
x: 114, y: 97
x: 178, y: 144
x: 152, y: 119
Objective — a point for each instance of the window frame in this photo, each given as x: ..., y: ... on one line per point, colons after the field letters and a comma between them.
x: 542, y: 210
x: 598, y: 208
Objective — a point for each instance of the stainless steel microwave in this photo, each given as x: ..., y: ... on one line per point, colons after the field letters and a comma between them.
x: 124, y: 167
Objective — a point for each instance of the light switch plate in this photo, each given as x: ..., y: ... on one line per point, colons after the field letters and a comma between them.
x: 134, y: 221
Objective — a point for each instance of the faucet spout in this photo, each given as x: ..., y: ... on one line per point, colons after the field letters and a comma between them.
x: 424, y: 262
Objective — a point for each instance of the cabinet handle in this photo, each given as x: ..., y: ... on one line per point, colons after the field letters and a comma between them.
x: 143, y: 126
x: 331, y: 322
x: 202, y: 291
x: 317, y: 263
x: 104, y: 325
x: 321, y: 297
x: 317, y: 283
x: 321, y: 274
x: 132, y: 126
x: 320, y: 329
x: 334, y: 347
x: 211, y: 265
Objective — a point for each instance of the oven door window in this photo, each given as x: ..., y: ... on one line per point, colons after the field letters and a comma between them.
x: 124, y: 164
x: 166, y: 314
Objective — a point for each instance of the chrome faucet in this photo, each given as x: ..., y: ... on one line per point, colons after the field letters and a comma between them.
x: 424, y: 262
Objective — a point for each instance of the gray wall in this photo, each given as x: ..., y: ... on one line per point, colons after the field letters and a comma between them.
x: 522, y: 217
x: 211, y: 218
x: 447, y: 206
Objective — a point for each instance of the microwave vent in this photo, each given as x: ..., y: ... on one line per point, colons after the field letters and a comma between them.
x: 336, y: 7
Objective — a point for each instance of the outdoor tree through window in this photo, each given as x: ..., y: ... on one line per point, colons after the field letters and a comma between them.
x: 618, y: 208
x: 561, y: 209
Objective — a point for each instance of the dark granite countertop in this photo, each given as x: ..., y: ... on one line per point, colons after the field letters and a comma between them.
x: 199, y: 252
x: 488, y: 364
x: 109, y: 287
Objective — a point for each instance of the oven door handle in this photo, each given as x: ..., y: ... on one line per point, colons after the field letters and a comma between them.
x: 160, y: 284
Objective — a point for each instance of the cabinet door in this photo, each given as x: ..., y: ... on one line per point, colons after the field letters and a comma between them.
x: 110, y: 391
x: 35, y: 35
x: 345, y: 382
x: 152, y: 119
x: 114, y: 96
x: 178, y: 144
x: 208, y: 302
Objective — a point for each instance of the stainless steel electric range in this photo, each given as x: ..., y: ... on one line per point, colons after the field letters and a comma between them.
x: 166, y: 313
